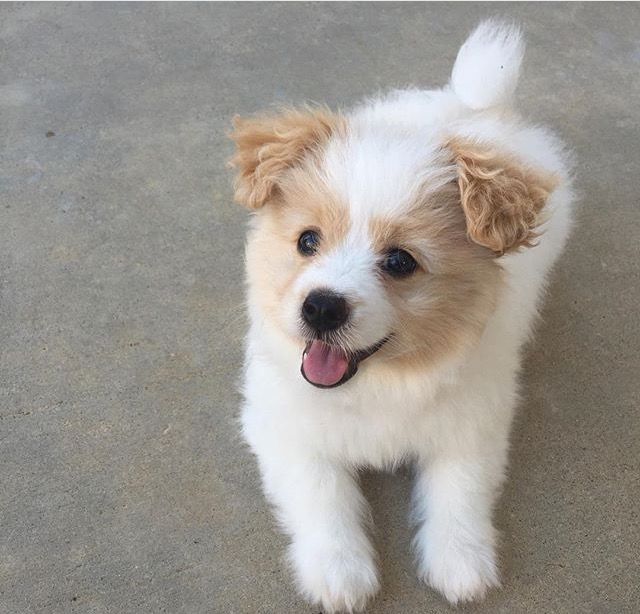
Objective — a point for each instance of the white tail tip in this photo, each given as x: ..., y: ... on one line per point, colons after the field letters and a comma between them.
x: 486, y: 70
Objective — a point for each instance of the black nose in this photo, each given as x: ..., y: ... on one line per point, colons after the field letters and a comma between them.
x: 323, y: 310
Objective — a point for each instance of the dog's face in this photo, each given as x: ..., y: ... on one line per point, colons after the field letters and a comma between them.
x: 370, y: 245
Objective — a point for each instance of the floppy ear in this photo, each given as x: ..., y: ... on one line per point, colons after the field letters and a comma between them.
x: 268, y: 145
x: 502, y: 198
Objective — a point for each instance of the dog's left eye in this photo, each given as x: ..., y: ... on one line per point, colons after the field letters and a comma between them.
x: 308, y: 242
x: 399, y: 263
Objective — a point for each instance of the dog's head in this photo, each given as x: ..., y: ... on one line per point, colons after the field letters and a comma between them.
x: 373, y: 242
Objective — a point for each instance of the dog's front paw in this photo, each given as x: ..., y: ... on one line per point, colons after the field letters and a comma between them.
x: 342, y: 578
x: 461, y: 572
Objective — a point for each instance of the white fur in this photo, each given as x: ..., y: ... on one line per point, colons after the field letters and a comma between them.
x: 488, y: 64
x: 453, y: 421
x: 348, y: 270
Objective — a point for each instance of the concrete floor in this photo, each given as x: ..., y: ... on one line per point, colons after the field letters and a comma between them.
x: 124, y: 487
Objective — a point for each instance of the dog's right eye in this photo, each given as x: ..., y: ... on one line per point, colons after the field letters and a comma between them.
x: 308, y: 242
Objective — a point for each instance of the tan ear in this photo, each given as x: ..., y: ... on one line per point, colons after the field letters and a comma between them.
x: 501, y: 197
x: 268, y: 145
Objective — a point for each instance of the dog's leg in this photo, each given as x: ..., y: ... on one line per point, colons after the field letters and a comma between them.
x: 320, y: 505
x: 453, y: 501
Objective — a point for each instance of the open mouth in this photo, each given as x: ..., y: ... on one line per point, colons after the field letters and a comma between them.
x: 328, y: 366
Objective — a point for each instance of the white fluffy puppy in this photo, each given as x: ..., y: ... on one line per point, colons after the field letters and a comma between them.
x: 396, y: 259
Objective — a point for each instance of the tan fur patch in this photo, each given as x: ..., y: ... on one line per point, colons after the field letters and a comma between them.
x: 303, y: 202
x: 501, y: 197
x: 443, y: 307
x: 268, y: 145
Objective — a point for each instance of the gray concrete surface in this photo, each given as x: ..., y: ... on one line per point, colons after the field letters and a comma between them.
x: 124, y: 487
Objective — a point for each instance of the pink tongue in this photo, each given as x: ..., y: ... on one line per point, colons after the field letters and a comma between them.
x: 324, y: 364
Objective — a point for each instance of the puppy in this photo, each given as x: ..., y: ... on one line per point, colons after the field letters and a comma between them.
x: 396, y: 259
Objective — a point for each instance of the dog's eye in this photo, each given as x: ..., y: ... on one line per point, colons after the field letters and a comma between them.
x: 399, y: 263
x: 308, y: 242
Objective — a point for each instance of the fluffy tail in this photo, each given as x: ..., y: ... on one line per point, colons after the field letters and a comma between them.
x: 488, y: 64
